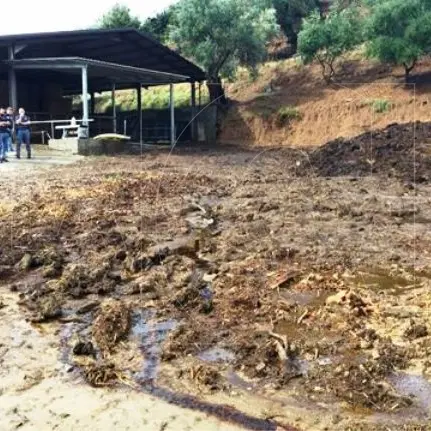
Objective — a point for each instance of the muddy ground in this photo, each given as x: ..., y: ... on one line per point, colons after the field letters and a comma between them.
x: 262, y: 287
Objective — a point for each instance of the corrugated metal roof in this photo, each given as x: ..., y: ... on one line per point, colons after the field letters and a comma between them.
x: 127, y: 47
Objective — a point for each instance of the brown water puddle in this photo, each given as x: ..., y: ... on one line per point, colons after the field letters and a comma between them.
x: 380, y: 280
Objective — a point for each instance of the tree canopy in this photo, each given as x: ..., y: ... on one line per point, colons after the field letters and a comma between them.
x: 399, y: 32
x: 325, y: 40
x: 222, y: 34
x: 290, y: 14
x: 119, y: 17
x: 158, y: 26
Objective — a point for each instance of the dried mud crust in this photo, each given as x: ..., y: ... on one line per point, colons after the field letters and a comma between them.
x: 244, y: 256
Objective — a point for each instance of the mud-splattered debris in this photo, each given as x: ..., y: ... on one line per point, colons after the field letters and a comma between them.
x: 415, y: 331
x: 26, y: 263
x: 46, y: 308
x: 121, y: 255
x: 111, y: 324
x: 87, y: 307
x: 53, y: 270
x: 346, y: 297
x: 84, y: 348
x: 100, y: 374
x: 208, y: 376
x: 198, y: 221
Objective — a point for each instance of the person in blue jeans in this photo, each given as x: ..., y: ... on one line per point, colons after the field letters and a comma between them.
x: 5, y: 125
x: 10, y: 115
x: 22, y: 124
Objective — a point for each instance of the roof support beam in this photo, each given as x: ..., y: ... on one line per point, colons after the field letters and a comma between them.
x: 84, y: 95
x: 139, y: 91
x: 114, y: 109
x: 193, y: 124
x: 172, y: 109
x: 13, y: 94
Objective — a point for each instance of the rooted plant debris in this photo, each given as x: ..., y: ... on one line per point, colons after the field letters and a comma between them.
x: 111, y: 325
x: 101, y: 374
x: 309, y: 283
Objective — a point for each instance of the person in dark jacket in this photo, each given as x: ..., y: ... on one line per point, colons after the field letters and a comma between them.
x: 5, y: 125
x: 22, y: 125
x: 10, y: 115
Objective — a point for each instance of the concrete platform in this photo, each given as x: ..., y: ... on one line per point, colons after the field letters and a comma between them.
x: 87, y: 147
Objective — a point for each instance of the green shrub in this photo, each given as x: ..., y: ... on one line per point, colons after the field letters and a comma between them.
x: 286, y: 114
x: 380, y: 106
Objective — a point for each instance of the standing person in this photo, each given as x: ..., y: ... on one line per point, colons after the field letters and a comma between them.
x: 5, y: 124
x: 10, y: 115
x: 22, y: 123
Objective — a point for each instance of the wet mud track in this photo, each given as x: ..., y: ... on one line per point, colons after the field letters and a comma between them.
x: 150, y: 337
x: 230, y: 283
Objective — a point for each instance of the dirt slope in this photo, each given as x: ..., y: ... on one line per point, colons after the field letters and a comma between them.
x: 347, y: 108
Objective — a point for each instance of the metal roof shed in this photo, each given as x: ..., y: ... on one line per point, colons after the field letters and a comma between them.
x: 128, y: 47
x: 83, y: 68
x: 93, y: 60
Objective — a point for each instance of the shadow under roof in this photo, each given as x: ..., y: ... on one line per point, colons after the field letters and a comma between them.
x: 123, y: 47
x: 96, y: 69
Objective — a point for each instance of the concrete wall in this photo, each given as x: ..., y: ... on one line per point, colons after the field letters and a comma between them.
x: 88, y: 147
x: 69, y: 145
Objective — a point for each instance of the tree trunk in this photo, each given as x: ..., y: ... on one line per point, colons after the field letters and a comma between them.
x: 216, y: 90
x: 293, y: 40
x: 408, y: 68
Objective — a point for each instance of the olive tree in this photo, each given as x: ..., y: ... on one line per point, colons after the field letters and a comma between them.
x: 399, y: 32
x: 326, y: 39
x: 219, y: 35
x: 119, y: 16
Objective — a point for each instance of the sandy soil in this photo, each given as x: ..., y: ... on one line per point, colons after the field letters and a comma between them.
x: 232, y: 288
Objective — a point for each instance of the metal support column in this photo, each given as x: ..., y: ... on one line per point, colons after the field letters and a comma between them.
x: 172, y: 109
x: 84, y: 96
x: 114, y: 109
x: 139, y: 107
x: 13, y: 96
x: 92, y: 103
x: 193, y: 113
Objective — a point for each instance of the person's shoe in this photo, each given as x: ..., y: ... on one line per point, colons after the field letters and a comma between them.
x: 5, y: 159
x: 18, y: 157
x: 28, y: 157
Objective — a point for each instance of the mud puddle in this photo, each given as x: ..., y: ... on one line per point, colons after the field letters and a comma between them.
x: 381, y: 281
x: 295, y: 332
x: 217, y: 354
x: 415, y: 386
x: 149, y: 335
x: 305, y: 298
